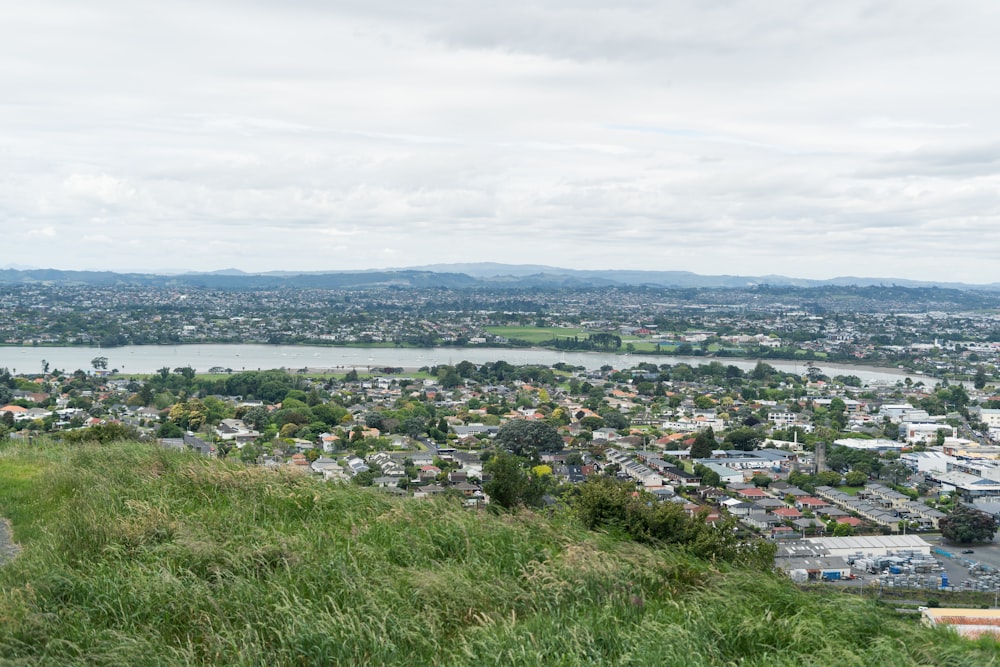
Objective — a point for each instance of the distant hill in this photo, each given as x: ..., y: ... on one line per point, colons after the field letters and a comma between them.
x: 454, y: 276
x: 232, y: 279
x: 492, y: 272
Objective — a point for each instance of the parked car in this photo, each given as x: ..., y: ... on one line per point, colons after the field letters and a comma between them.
x: 968, y: 551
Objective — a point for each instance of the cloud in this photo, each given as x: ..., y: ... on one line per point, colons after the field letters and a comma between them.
x: 815, y: 139
x: 898, y: 124
x: 99, y: 187
x: 44, y: 232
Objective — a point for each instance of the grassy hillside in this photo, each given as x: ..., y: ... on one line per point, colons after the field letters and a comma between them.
x: 134, y: 555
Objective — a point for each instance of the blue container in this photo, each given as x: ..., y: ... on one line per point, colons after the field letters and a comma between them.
x: 895, y: 569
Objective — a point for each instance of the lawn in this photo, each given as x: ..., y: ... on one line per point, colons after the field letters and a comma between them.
x: 537, y: 334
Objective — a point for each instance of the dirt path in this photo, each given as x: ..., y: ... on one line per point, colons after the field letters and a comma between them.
x: 8, y: 549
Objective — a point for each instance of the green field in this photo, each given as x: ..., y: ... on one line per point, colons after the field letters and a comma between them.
x: 135, y: 555
x: 537, y: 334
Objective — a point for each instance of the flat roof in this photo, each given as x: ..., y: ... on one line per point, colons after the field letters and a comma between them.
x: 861, y: 543
x: 966, y: 622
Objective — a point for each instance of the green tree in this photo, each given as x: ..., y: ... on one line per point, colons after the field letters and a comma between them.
x: 704, y: 444
x: 708, y: 476
x: 855, y: 478
x: 745, y: 438
x: 99, y: 363
x: 703, y: 402
x: 526, y: 438
x: 103, y: 433
x: 895, y: 473
x: 414, y: 426
x: 614, y: 419
x: 979, y: 381
x: 828, y: 478
x: 843, y: 530
x: 965, y: 524
x: 169, y: 429
x: 375, y: 420
x: 510, y: 485
x: 251, y: 452
x: 257, y: 418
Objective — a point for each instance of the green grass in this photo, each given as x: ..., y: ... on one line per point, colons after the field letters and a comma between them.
x: 537, y: 334
x: 646, y: 346
x: 134, y: 555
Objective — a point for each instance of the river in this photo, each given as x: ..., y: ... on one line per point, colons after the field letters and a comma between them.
x: 149, y: 358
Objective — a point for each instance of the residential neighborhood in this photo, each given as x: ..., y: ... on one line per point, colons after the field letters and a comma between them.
x: 789, y: 457
x: 943, y: 333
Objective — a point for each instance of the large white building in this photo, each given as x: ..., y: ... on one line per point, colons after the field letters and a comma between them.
x: 878, y: 444
x: 929, y: 461
x: 988, y: 416
x: 874, y: 545
x: 924, y: 431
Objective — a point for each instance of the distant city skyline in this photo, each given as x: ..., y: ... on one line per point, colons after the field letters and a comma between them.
x: 805, y: 139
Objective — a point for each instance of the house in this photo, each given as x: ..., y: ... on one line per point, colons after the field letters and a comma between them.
x: 743, y: 509
x: 725, y: 474
x: 606, y: 434
x: 356, y: 466
x: 852, y: 521
x: 237, y: 431
x: 422, y: 458
x: 322, y: 463
x: 386, y: 482
x: 428, y: 473
x: 468, y: 490
x: 810, y: 503
x: 805, y: 525
x: 682, y: 477
x: 428, y: 491
x: 762, y: 521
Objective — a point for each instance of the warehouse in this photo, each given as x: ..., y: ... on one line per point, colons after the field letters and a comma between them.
x: 880, y: 545
x: 969, y: 623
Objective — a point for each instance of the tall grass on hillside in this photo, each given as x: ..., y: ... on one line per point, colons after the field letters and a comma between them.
x: 134, y: 555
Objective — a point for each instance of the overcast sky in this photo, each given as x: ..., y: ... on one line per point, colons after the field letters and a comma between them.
x: 810, y: 139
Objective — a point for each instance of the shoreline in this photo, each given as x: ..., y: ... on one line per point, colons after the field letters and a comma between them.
x: 146, y: 359
x: 403, y: 346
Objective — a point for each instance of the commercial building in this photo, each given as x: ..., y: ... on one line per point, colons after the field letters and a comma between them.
x: 876, y: 545
x: 969, y: 623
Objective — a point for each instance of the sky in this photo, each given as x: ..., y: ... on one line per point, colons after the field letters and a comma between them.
x: 811, y: 139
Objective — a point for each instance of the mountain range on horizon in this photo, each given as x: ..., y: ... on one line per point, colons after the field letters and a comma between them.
x: 460, y: 275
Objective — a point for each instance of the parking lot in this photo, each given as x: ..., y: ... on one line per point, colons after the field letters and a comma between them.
x: 962, y: 570
x: 962, y: 567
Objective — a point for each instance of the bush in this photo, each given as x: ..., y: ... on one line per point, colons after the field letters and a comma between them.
x: 609, y: 504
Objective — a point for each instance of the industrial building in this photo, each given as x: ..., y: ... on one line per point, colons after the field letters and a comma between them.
x: 966, y: 622
x: 874, y: 545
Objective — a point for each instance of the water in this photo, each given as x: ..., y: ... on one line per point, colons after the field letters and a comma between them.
x: 150, y: 358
